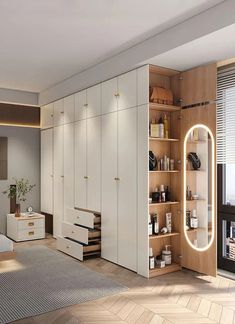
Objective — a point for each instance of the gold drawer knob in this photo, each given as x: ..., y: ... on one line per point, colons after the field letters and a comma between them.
x: 31, y: 224
x: 73, y: 232
x: 68, y: 247
x: 117, y: 179
x: 116, y: 95
x: 85, y: 105
x: 31, y: 233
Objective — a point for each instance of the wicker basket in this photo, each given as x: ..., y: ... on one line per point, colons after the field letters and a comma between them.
x: 232, y: 250
x: 161, y: 95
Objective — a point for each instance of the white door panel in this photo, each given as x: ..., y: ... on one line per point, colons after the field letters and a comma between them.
x: 47, y: 116
x: 127, y: 188
x: 109, y: 96
x: 127, y: 89
x: 47, y: 171
x: 80, y: 164
x: 69, y: 109
x: 80, y: 105
x: 109, y: 187
x: 58, y: 180
x: 94, y: 101
x: 94, y: 163
x: 68, y: 167
x: 58, y: 112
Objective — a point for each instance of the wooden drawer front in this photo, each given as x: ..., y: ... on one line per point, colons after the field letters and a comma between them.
x: 92, y: 248
x: 80, y: 217
x: 31, y: 234
x: 75, y: 232
x: 28, y: 224
x: 72, y: 248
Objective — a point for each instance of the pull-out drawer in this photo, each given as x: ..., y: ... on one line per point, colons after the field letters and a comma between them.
x: 79, y: 217
x: 69, y: 247
x: 74, y: 232
x: 31, y: 234
x: 28, y: 223
x: 78, y: 233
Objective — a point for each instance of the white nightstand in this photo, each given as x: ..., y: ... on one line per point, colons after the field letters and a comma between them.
x: 26, y: 228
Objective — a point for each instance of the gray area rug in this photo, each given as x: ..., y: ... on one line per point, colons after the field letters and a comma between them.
x: 49, y: 280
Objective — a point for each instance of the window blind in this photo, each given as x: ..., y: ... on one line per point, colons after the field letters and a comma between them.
x: 226, y: 116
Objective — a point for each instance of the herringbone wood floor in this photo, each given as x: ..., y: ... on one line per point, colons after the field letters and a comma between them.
x: 183, y: 297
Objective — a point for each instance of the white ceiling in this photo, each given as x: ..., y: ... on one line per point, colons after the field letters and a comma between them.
x: 43, y: 42
x: 217, y: 46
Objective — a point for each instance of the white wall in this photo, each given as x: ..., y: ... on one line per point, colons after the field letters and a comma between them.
x: 18, y: 97
x: 23, y: 161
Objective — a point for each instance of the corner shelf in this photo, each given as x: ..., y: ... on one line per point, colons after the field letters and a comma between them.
x: 163, y: 107
x: 159, y: 139
x: 164, y: 203
x: 167, y: 269
x: 153, y: 237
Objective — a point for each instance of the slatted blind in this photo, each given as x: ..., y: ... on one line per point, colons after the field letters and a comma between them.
x: 226, y: 116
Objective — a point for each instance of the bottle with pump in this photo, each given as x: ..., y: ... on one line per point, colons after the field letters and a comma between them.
x: 166, y: 255
x: 150, y: 226
x: 166, y: 126
x: 151, y: 259
x: 161, y: 127
x: 155, y: 224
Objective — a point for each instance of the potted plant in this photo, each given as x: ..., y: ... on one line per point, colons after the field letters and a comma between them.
x: 19, y: 191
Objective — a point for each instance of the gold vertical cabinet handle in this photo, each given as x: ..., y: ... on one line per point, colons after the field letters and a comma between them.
x: 116, y: 94
x: 85, y: 177
x: 51, y: 115
x: 85, y: 105
x: 61, y: 112
x: 117, y: 179
x: 62, y: 176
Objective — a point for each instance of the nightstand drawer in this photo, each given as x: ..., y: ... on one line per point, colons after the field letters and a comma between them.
x: 31, y: 234
x: 29, y: 224
x: 69, y: 247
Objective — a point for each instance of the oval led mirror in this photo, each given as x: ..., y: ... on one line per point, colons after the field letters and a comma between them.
x: 199, y: 187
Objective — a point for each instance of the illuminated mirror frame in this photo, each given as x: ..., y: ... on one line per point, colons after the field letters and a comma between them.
x: 212, y: 186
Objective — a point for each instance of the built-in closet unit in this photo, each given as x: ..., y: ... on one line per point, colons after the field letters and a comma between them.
x: 100, y: 148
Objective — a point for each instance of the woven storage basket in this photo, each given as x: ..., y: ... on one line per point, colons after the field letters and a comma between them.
x: 232, y: 250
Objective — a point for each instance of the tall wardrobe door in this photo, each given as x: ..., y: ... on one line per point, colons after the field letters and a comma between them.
x: 58, y: 180
x: 59, y: 112
x: 47, y: 171
x: 80, y: 164
x: 109, y: 96
x: 94, y: 163
x: 127, y: 188
x: 68, y: 167
x: 69, y: 109
x: 109, y: 187
x: 94, y: 101
x: 80, y: 100
x: 127, y: 90
x: 47, y: 116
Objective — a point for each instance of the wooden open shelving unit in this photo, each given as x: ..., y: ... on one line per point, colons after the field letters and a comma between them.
x: 172, y: 178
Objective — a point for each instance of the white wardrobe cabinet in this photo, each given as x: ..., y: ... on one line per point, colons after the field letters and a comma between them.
x: 109, y: 95
x: 127, y: 188
x: 69, y: 109
x: 58, y: 112
x: 109, y: 187
x: 88, y: 164
x: 58, y: 180
x: 94, y: 101
x: 94, y: 163
x: 80, y: 105
x: 80, y: 164
x: 68, y: 167
x: 47, y: 171
x: 47, y: 116
x: 127, y: 90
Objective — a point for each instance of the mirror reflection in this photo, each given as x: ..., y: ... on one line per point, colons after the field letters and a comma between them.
x: 198, y: 185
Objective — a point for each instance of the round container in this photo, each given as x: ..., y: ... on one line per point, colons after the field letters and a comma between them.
x: 166, y: 256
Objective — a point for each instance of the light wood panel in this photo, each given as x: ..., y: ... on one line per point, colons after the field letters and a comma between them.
x: 198, y: 85
x: 4, y: 256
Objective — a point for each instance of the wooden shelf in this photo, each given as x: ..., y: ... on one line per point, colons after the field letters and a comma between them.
x: 195, y: 171
x: 163, y: 139
x: 164, y: 203
x: 162, y: 107
x: 161, y: 171
x: 167, y: 269
x: 154, y: 237
x: 192, y: 200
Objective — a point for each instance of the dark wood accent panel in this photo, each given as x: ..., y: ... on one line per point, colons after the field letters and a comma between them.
x: 12, y: 204
x: 48, y: 223
x: 3, y: 158
x: 19, y: 115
